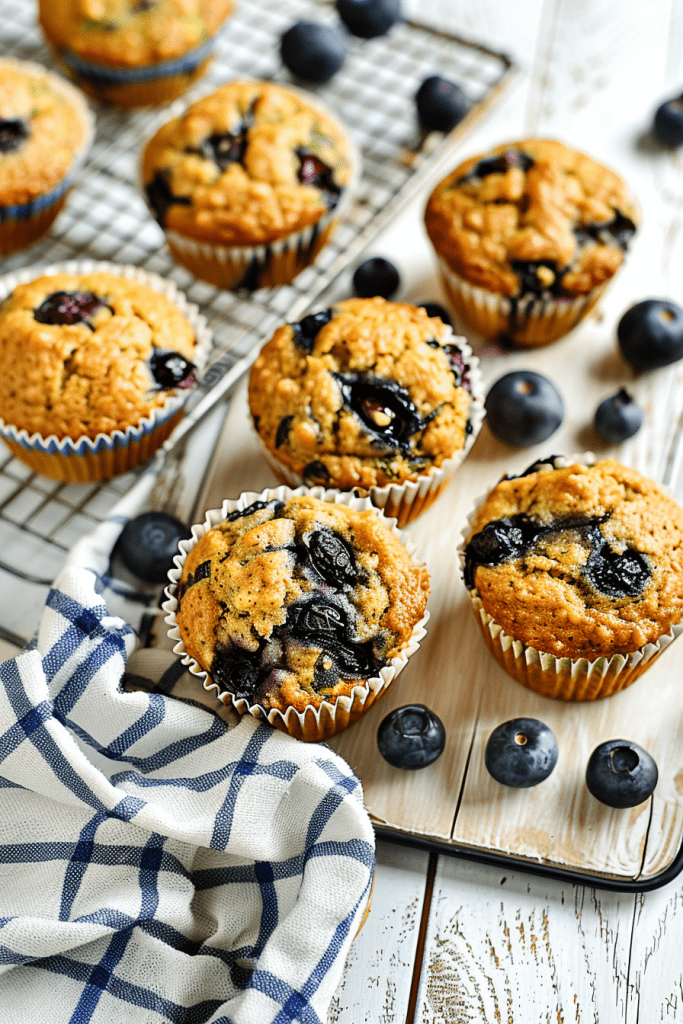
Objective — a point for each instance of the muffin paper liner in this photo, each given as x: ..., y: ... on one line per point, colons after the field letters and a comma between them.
x: 538, y: 321
x: 250, y: 267
x: 86, y: 459
x: 21, y: 224
x: 405, y: 502
x: 312, y: 724
x: 568, y: 679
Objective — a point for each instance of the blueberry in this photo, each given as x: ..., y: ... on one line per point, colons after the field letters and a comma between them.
x: 171, y: 370
x: 376, y: 276
x: 314, y: 171
x: 618, y: 417
x: 68, y: 308
x: 369, y: 18
x: 668, y: 122
x: 650, y: 334
x: 148, y: 543
x: 312, y: 51
x: 441, y: 104
x: 524, y: 408
x: 13, y: 133
x: 434, y: 309
x: 621, y: 774
x: 521, y: 752
x: 411, y: 737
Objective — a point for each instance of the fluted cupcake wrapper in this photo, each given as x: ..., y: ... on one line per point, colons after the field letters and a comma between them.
x: 21, y: 224
x: 85, y: 459
x: 314, y: 723
x: 537, y: 321
x: 405, y: 502
x: 568, y: 679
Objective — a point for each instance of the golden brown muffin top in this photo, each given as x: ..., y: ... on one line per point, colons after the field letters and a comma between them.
x: 532, y: 217
x: 249, y: 164
x: 580, y: 561
x: 131, y: 33
x: 366, y: 393
x: 290, y: 604
x: 89, y: 353
x: 43, y: 126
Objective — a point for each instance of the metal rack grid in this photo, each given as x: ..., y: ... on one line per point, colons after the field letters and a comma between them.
x: 106, y: 218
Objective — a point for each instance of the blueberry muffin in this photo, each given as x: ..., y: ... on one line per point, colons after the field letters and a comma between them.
x: 294, y: 602
x: 95, y: 369
x: 367, y: 394
x: 528, y: 236
x: 576, y: 575
x: 249, y: 183
x: 133, y: 52
x: 45, y: 131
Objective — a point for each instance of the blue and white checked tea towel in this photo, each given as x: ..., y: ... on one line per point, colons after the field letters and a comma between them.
x: 156, y: 866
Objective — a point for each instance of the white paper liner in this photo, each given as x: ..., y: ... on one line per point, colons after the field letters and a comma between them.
x: 256, y: 258
x: 404, y: 502
x: 76, y: 99
x: 545, y: 319
x: 577, y: 679
x: 52, y: 445
x: 313, y: 723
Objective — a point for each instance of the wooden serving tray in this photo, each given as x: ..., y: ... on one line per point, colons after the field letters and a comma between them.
x: 454, y: 804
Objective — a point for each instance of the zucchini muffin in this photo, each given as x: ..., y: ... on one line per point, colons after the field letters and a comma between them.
x: 95, y: 370
x: 45, y: 132
x: 132, y: 53
x: 249, y: 183
x: 528, y: 236
x: 576, y: 575
x: 291, y: 603
x: 368, y: 394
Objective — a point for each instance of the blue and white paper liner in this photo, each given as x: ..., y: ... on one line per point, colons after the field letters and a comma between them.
x: 41, y: 204
x: 312, y: 724
x: 568, y: 679
x: 85, y: 447
x: 405, y: 502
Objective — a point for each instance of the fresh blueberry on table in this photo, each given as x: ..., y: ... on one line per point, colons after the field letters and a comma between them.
x: 148, y: 543
x: 650, y: 334
x: 435, y: 309
x: 441, y: 104
x: 524, y: 408
x: 376, y: 276
x: 312, y: 51
x: 369, y: 18
x: 411, y: 737
x: 521, y: 753
x: 618, y: 417
x: 621, y: 774
x: 668, y: 122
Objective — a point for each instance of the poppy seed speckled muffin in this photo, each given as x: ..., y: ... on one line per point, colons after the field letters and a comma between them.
x: 576, y: 575
x: 292, y: 602
x: 367, y: 394
x: 95, y: 369
x: 45, y: 132
x: 528, y: 236
x: 133, y: 52
x: 248, y: 183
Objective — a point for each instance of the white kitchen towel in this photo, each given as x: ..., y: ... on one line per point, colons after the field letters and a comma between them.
x: 156, y: 865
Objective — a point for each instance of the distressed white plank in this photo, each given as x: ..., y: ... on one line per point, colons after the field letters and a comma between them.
x: 506, y: 947
x: 375, y: 987
x: 655, y: 989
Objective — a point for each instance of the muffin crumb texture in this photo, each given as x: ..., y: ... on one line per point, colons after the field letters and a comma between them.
x: 364, y: 394
x: 89, y: 353
x: 292, y: 604
x: 581, y: 561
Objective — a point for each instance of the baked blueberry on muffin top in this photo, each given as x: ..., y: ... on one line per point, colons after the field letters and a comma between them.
x: 289, y: 604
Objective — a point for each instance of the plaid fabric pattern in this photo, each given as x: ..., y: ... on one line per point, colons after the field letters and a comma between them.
x: 156, y: 866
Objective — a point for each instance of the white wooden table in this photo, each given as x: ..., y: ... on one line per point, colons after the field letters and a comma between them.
x: 453, y: 941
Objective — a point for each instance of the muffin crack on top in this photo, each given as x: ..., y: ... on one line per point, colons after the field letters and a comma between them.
x: 362, y: 394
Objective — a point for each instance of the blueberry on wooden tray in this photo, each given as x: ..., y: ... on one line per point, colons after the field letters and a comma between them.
x: 650, y: 334
x: 521, y: 753
x: 411, y: 737
x: 618, y: 417
x: 524, y: 408
x: 621, y: 774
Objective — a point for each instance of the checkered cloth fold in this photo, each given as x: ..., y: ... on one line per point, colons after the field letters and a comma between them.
x: 155, y: 865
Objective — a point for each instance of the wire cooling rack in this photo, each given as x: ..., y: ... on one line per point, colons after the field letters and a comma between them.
x: 106, y: 218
